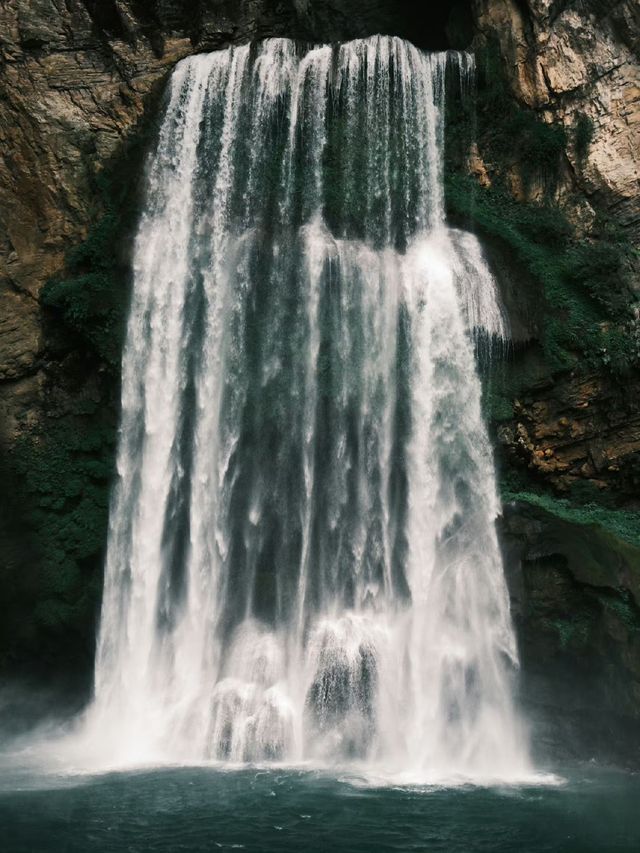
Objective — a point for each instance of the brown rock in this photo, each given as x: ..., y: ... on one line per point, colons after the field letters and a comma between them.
x: 580, y: 60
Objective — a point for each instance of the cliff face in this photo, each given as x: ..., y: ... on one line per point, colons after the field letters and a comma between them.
x: 575, y: 66
x: 76, y: 77
x: 71, y: 93
x: 567, y: 426
x: 558, y: 129
x: 576, y: 62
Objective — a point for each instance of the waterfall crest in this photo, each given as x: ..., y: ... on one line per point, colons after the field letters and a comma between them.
x: 302, y: 558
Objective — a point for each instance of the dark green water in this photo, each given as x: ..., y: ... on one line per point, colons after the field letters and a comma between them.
x: 198, y: 810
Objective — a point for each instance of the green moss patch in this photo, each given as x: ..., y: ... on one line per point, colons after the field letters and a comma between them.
x: 587, y: 320
x: 621, y: 525
x: 62, y: 487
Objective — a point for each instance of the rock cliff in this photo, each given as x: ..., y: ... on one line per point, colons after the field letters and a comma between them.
x: 564, y: 403
x: 576, y: 63
x: 548, y: 171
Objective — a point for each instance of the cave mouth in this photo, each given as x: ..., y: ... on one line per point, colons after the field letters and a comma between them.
x: 436, y: 25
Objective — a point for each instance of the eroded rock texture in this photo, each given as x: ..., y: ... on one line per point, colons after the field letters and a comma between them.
x: 580, y: 428
x: 575, y: 65
x: 70, y: 94
x: 577, y: 60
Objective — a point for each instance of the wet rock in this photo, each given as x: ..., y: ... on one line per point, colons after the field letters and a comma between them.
x: 585, y: 428
x: 575, y: 592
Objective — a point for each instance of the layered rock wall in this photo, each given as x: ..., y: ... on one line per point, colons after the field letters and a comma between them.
x: 574, y: 65
x: 80, y: 79
x: 577, y: 62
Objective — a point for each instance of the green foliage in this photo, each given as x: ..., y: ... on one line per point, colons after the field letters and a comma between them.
x: 573, y: 631
x: 624, y: 608
x: 510, y: 132
x: 585, y: 317
x: 498, y: 407
x: 540, y: 146
x: 583, y: 136
x: 91, y: 298
x: 581, y: 282
x: 623, y: 524
x: 573, y: 290
x: 596, y: 267
x: 61, y: 484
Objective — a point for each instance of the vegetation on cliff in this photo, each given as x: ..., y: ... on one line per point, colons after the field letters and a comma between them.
x: 574, y: 293
x: 61, y: 466
x: 587, y: 315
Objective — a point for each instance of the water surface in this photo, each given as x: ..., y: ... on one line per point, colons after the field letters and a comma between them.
x: 266, y: 811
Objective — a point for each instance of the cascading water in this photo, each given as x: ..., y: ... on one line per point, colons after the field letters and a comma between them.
x: 302, y: 560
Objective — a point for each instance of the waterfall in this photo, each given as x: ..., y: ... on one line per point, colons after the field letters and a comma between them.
x: 302, y: 559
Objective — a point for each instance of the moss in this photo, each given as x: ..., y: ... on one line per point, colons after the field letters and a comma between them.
x: 622, y: 605
x: 511, y: 134
x: 62, y: 483
x: 583, y: 283
x: 92, y: 299
x: 572, y: 632
x: 47, y: 622
x: 586, y: 318
x: 624, y: 525
x: 498, y: 408
x: 540, y: 146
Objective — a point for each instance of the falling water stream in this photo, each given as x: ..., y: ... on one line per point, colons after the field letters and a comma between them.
x: 302, y: 560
